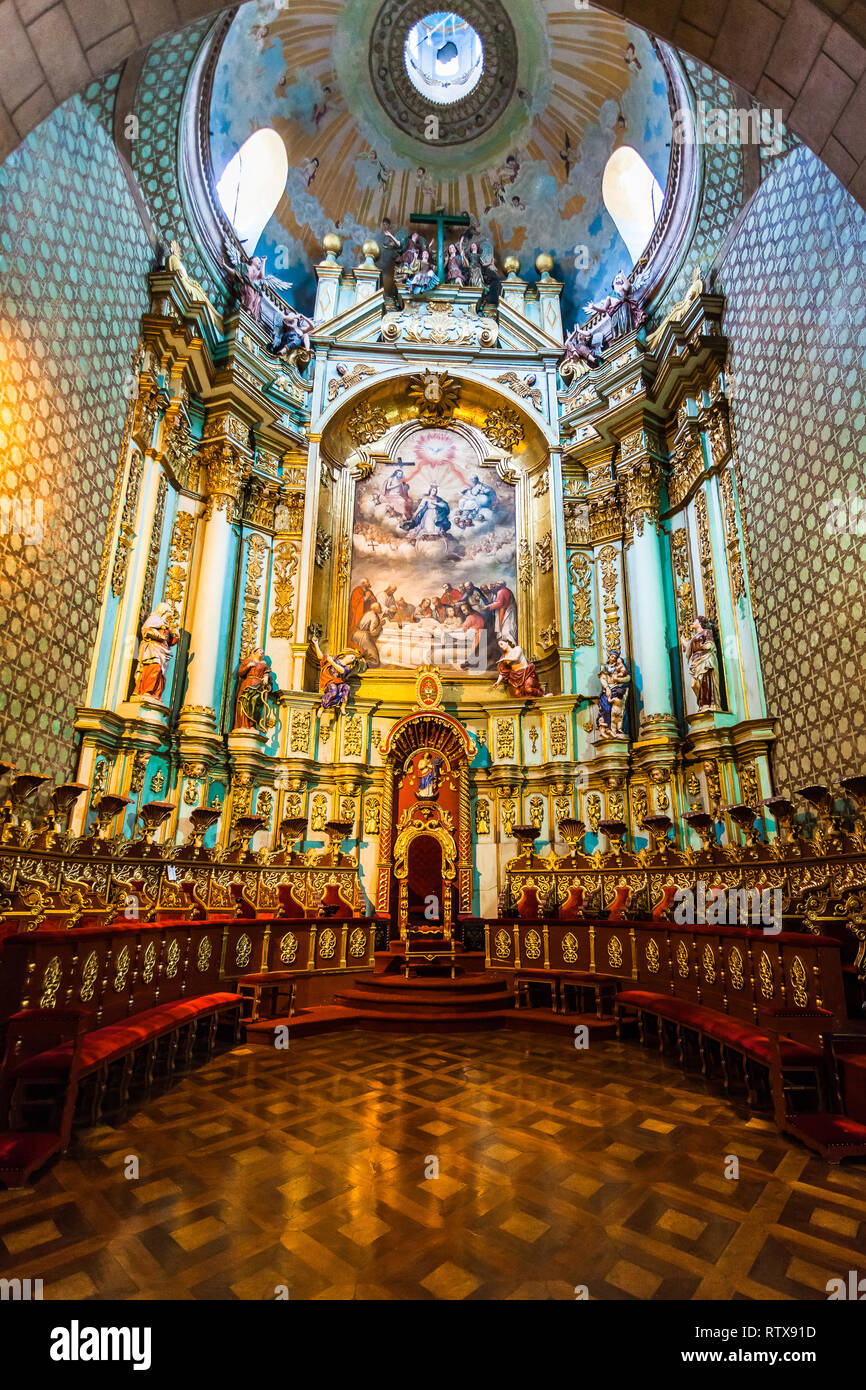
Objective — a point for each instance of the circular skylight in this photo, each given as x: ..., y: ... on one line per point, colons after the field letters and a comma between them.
x: 444, y: 57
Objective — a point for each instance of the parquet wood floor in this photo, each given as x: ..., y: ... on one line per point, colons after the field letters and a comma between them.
x: 557, y: 1168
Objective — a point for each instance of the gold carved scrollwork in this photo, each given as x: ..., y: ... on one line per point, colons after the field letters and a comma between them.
x: 327, y: 944
x: 709, y: 962
x: 126, y: 535
x: 299, y: 736
x: 732, y: 536
x: 614, y: 952
x: 502, y: 944
x: 357, y: 942
x: 172, y: 960
x: 799, y: 981
x: 88, y: 978
x: 682, y: 580
x: 682, y: 959
x: 570, y: 948
x: 256, y: 559
x: 504, y: 738
x: 203, y: 955
x: 179, y: 552
x: 121, y: 970
x: 580, y: 575
x: 367, y: 423
x: 765, y: 975
x: 653, y: 959
x: 705, y: 551
x: 532, y: 944
x: 243, y: 951
x: 612, y: 638
x: 544, y: 554
x: 285, y: 569
x: 149, y: 963
x: 503, y: 427
x: 482, y: 817
x: 288, y: 948
x: 735, y: 968
x: 51, y: 977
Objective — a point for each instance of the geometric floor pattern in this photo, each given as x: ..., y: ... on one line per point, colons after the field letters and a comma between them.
x: 311, y: 1170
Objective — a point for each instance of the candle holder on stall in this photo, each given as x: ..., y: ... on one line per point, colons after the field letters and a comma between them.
x: 705, y: 826
x: 658, y: 827
x: 783, y: 811
x: 63, y: 798
x: 744, y: 818
x: 616, y: 831
x: 152, y: 815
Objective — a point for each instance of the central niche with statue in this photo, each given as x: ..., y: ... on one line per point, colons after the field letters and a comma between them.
x: 433, y: 557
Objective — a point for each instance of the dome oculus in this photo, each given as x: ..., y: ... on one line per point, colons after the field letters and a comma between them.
x: 444, y: 57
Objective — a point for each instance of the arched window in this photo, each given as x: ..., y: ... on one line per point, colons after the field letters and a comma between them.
x: 633, y: 197
x: 252, y: 184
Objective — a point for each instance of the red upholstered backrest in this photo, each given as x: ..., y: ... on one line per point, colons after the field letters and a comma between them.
x: 573, y: 905
x: 620, y: 902
x: 528, y: 904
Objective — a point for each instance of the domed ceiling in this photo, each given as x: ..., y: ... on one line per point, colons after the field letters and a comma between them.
x: 523, y: 149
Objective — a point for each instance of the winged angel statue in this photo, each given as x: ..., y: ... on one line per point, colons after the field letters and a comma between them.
x: 248, y: 279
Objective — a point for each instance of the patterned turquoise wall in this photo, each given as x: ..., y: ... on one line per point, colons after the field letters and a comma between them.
x: 73, y: 262
x: 796, y: 320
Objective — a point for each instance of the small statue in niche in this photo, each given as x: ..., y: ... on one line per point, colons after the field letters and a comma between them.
x: 516, y: 672
x: 429, y: 775
x: 615, y: 680
x: 159, y: 633
x: 700, y: 650
x: 256, y: 686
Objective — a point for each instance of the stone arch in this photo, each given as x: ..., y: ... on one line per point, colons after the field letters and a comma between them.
x: 806, y: 57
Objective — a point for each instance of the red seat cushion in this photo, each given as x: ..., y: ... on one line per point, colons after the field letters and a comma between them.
x: 22, y: 1151
x: 105, y: 1044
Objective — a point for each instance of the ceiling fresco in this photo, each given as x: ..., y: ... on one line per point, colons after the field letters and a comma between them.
x: 531, y: 180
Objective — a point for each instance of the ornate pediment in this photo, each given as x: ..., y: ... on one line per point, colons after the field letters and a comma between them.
x: 439, y: 321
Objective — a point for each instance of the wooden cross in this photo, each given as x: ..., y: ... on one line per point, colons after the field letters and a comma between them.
x: 441, y: 220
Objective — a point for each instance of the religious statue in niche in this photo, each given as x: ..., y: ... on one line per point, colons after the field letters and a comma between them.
x: 334, y: 687
x: 429, y: 775
x: 247, y: 280
x: 700, y: 650
x: 615, y: 681
x: 256, y: 686
x: 408, y: 259
x: 159, y: 633
x: 516, y: 672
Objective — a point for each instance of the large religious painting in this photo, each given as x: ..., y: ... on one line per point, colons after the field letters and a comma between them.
x: 433, y: 559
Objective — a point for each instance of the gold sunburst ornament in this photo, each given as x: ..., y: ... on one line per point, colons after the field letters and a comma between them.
x: 435, y: 394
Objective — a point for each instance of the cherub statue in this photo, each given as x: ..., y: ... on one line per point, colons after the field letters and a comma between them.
x: 700, y: 650
x: 615, y: 681
x: 248, y: 279
x: 621, y: 311
x: 517, y: 672
x: 334, y: 675
x: 291, y: 339
x: 579, y: 353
